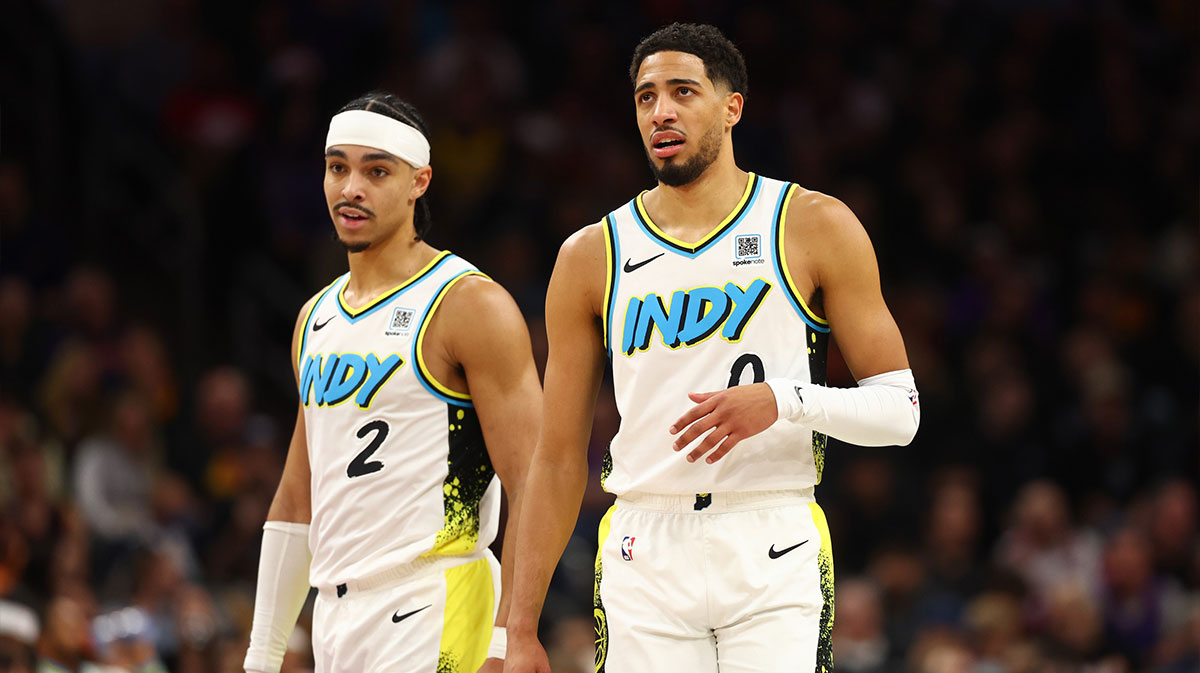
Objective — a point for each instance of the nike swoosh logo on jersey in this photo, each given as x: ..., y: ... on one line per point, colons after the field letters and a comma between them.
x: 634, y: 267
x: 318, y: 325
x: 776, y: 554
x: 397, y: 617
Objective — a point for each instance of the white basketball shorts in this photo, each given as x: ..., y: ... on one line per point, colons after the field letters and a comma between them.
x: 434, y: 618
x: 728, y: 582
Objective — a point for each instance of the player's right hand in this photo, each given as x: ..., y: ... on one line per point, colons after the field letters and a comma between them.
x: 525, y: 655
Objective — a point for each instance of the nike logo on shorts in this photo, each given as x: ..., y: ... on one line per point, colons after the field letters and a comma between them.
x: 397, y: 617
x: 776, y: 554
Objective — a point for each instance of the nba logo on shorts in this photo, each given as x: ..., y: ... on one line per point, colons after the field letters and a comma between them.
x: 627, y: 548
x: 401, y: 322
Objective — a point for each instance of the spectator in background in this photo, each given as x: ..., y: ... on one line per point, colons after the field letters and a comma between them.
x: 40, y: 525
x: 1040, y: 544
x: 125, y: 642
x: 114, y: 478
x: 941, y: 650
x: 66, y: 644
x: 20, y: 360
x: 952, y: 533
x: 19, y: 632
x: 146, y: 367
x: 900, y: 575
x: 231, y: 550
x: 71, y: 395
x: 860, y: 644
x: 1172, y: 529
x: 89, y: 310
x: 210, y: 456
x: 1072, y: 630
x: 872, y: 511
x: 996, y: 632
x: 1139, y: 606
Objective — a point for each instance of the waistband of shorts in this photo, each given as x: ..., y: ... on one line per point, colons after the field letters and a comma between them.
x: 714, y: 503
x: 417, y: 567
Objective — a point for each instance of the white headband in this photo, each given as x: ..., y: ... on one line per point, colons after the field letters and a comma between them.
x: 371, y: 129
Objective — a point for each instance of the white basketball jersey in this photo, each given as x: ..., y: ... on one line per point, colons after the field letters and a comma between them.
x: 399, y: 467
x: 687, y: 318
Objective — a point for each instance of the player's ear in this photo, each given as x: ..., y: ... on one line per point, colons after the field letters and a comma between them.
x: 420, y: 182
x: 733, y: 109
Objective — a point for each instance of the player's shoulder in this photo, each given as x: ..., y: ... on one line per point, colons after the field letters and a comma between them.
x: 479, y: 313
x: 585, y: 243
x: 475, y: 300
x: 308, y: 305
x: 819, y: 207
x: 583, y: 253
x: 476, y: 292
x: 816, y: 215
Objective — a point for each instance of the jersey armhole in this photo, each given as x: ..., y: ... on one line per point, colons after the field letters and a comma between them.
x: 781, y: 267
x: 308, y: 321
x: 427, y: 379
x: 612, y: 254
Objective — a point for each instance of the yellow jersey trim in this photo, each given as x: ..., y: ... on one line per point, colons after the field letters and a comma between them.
x: 308, y: 321
x: 433, y: 307
x: 737, y: 210
x: 787, y: 274
x: 355, y: 312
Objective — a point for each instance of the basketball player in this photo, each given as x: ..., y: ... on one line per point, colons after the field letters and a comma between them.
x: 417, y: 389
x: 714, y: 296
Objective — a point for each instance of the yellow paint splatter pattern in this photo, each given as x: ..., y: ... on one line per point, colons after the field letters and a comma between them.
x: 447, y: 663
x: 598, y: 605
x: 469, y: 474
x: 818, y: 349
x: 825, y: 564
x: 606, y: 464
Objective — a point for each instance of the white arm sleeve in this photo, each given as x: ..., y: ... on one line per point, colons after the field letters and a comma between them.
x: 282, y: 590
x: 884, y: 409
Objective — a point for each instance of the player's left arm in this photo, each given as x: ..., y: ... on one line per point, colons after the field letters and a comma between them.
x: 490, y: 341
x: 829, y: 250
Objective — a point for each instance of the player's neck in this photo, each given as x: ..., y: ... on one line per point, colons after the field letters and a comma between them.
x: 691, y: 211
x: 385, y: 265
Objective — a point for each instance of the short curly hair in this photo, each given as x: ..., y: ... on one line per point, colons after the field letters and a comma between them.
x: 723, y: 63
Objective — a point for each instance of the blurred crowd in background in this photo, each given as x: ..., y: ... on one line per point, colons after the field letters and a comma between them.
x: 1027, y: 171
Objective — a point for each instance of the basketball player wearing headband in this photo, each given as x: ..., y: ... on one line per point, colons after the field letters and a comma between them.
x: 417, y: 390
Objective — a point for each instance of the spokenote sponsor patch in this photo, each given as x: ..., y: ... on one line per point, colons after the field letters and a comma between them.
x: 401, y: 322
x: 747, y: 249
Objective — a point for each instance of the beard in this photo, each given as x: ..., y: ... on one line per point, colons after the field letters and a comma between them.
x: 356, y: 246
x: 674, y: 174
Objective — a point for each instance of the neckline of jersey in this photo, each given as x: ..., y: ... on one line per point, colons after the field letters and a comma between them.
x: 692, y: 249
x: 353, y: 314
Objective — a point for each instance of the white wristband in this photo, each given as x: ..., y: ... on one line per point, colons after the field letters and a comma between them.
x: 499, y: 645
x: 884, y: 409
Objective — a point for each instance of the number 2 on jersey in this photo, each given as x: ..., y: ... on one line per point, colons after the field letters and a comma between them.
x: 360, y: 466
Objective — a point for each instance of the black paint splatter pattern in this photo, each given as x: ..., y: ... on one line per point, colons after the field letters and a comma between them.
x: 818, y: 349
x: 469, y: 474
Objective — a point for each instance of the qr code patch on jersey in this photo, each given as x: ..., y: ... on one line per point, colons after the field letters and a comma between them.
x: 401, y: 323
x: 748, y: 246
